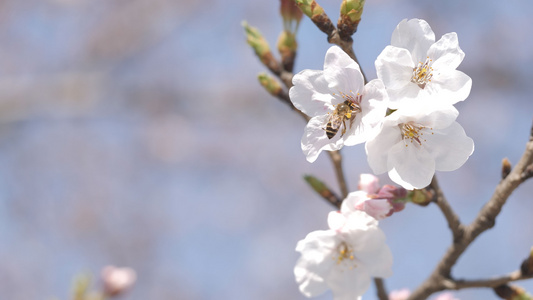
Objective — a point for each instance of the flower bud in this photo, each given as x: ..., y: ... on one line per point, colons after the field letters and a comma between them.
x: 421, y: 197
x: 256, y: 40
x: 511, y: 292
x: 270, y: 84
x: 316, y: 13
x: 287, y: 48
x: 527, y: 265
x: 291, y: 14
x: 351, y: 11
x: 323, y: 190
x: 117, y: 280
x: 506, y: 167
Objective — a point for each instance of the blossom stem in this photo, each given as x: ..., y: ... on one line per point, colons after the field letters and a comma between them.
x: 485, y: 220
x: 381, y: 290
x: 336, y: 158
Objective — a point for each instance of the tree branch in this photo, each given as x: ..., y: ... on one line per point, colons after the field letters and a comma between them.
x: 485, y: 220
x: 336, y: 158
x: 381, y: 290
x: 453, y: 220
x: 490, y: 282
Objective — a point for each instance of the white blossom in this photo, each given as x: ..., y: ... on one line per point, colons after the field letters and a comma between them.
x: 343, y: 110
x: 417, y: 140
x: 343, y: 258
x: 414, y: 66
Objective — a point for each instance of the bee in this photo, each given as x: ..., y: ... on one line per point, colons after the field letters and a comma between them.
x: 346, y: 110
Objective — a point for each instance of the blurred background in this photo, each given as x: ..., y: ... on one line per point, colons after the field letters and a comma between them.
x: 135, y: 133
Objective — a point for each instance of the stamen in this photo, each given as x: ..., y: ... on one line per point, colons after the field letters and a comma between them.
x: 345, y: 254
x: 413, y: 132
x: 423, y: 73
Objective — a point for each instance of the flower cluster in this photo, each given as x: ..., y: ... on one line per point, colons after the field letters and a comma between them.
x: 407, y: 120
x: 419, y: 84
x: 345, y: 257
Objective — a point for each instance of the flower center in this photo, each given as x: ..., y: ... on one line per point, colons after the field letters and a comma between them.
x: 413, y: 132
x: 345, y: 255
x: 423, y: 73
x: 352, y: 99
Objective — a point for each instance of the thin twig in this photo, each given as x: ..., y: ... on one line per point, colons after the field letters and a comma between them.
x: 381, y: 290
x: 336, y: 158
x: 490, y: 282
x: 451, y: 217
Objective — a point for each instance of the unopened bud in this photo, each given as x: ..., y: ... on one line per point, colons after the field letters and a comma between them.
x: 527, y: 265
x: 351, y: 11
x: 287, y: 48
x: 421, y: 197
x: 506, y: 167
x: 316, y: 13
x: 323, y: 190
x: 511, y: 292
x: 291, y: 15
x: 270, y: 84
x: 256, y: 40
x: 117, y: 280
x: 81, y: 286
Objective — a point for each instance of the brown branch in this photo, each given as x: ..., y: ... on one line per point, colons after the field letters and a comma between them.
x: 453, y: 220
x: 490, y: 282
x: 381, y: 290
x: 336, y: 158
x: 485, y: 220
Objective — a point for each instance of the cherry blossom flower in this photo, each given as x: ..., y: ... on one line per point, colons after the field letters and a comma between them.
x: 417, y: 140
x: 343, y: 110
x: 415, y: 65
x: 343, y: 258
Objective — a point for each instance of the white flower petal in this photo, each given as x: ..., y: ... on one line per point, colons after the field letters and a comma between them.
x: 428, y: 114
x: 374, y: 104
x: 352, y: 200
x: 446, y: 53
x: 315, y: 261
x: 450, y: 147
x: 349, y: 284
x: 336, y: 220
x: 315, y: 139
x: 347, y: 79
x: 413, y: 164
x: 450, y: 87
x: 375, y: 254
x: 377, y: 149
x: 368, y: 183
x: 394, y: 66
x: 336, y: 57
x: 414, y: 35
x: 394, y: 176
x: 310, y: 93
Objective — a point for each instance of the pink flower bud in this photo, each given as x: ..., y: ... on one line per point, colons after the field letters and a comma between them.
x: 117, y: 280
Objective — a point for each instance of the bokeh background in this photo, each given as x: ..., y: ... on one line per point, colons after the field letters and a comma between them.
x: 135, y: 133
